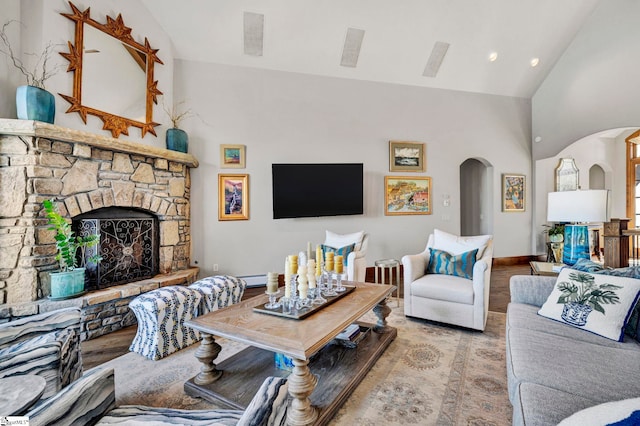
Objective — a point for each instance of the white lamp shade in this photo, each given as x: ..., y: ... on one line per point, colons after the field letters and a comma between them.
x: 578, y: 206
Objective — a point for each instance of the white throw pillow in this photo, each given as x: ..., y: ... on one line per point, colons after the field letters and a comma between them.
x: 455, y: 244
x: 606, y: 413
x: 597, y: 303
x: 341, y: 240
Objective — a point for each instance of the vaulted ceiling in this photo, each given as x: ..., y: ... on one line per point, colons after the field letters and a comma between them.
x: 397, y: 38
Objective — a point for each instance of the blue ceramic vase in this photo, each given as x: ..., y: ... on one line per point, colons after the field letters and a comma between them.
x: 34, y: 103
x: 177, y: 140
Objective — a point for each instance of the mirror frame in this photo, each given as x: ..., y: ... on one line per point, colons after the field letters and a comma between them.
x: 115, y: 28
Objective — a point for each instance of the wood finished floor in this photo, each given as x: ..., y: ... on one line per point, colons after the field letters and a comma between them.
x: 105, y: 348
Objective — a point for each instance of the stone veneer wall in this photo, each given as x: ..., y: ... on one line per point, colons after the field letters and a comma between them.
x: 82, y: 172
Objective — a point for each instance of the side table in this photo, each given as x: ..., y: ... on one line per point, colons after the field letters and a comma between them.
x: 19, y: 393
x: 545, y: 268
x: 387, y: 265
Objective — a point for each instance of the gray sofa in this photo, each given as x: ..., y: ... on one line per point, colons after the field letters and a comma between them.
x: 555, y: 370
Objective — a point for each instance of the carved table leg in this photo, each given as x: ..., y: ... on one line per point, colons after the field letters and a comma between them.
x: 206, y: 353
x: 382, y: 311
x: 301, y: 385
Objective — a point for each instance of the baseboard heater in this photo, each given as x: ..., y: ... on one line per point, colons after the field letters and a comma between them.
x: 255, y: 280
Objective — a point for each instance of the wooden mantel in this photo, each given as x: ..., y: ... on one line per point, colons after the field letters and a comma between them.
x: 32, y: 128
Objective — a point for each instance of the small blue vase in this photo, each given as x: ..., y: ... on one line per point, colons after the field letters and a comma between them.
x: 34, y: 103
x: 177, y: 140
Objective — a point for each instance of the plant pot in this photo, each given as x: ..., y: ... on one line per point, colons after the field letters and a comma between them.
x: 576, y: 313
x: 34, y: 103
x: 68, y: 284
x: 556, y: 238
x: 177, y: 140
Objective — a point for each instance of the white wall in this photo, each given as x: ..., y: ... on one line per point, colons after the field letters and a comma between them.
x: 289, y: 117
x: 41, y: 23
x: 595, y: 85
x: 602, y: 149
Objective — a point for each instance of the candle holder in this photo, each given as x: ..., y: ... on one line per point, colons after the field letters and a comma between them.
x: 329, y: 291
x: 286, y: 303
x: 272, y: 300
x: 339, y: 287
x: 318, y: 299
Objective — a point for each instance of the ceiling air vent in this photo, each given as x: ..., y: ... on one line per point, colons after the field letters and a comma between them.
x: 352, y: 45
x: 435, y: 59
x: 253, y: 33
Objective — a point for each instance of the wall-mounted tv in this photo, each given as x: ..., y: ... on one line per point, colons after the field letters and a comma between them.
x: 320, y: 189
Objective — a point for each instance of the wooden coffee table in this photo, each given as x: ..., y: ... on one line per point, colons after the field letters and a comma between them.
x: 306, y: 341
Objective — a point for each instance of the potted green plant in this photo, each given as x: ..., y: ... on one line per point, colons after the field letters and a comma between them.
x: 69, y: 281
x: 176, y: 138
x: 581, y: 296
x: 555, y: 232
x: 33, y: 102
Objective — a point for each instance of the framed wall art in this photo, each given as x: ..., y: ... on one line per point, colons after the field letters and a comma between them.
x: 406, y: 157
x: 233, y: 197
x: 513, y: 193
x: 405, y: 195
x: 232, y: 156
x: 567, y: 175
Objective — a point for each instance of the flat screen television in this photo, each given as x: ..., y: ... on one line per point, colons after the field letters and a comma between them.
x: 321, y: 189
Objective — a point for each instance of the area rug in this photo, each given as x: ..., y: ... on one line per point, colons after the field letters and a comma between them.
x: 432, y: 374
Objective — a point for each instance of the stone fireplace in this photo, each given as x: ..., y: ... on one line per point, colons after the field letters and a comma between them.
x: 94, y: 180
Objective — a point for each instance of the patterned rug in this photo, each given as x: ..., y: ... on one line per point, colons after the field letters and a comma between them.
x: 431, y: 374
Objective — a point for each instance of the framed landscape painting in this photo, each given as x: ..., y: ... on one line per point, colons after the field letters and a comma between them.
x: 232, y: 156
x: 405, y: 195
x: 406, y: 157
x: 233, y: 197
x: 513, y: 193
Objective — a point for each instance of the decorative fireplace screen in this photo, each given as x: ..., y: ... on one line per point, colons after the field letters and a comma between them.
x: 128, y: 246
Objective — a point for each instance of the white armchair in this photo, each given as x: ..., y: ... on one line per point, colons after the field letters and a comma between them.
x: 356, y: 262
x: 459, y: 292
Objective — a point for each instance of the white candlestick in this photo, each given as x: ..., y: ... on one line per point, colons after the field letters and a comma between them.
x: 311, y: 273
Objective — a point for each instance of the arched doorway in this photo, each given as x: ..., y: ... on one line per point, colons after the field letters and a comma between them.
x: 476, y: 195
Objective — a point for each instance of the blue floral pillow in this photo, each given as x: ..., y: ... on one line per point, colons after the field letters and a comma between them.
x: 461, y: 265
x: 342, y: 251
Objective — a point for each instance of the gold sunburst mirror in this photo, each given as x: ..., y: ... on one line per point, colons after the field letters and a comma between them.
x: 113, y: 74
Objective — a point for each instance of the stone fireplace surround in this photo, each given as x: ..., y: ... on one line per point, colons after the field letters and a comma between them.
x: 84, y: 172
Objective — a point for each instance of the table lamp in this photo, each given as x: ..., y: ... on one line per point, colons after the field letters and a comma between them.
x: 577, y: 208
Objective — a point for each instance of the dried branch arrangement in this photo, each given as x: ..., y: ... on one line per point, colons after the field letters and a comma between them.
x: 175, y: 114
x: 41, y: 71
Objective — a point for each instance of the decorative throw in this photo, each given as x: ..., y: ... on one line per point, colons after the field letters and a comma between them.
x: 633, y: 324
x: 625, y: 412
x: 341, y: 251
x: 461, y: 265
x: 456, y: 244
x: 597, y: 303
x: 340, y: 240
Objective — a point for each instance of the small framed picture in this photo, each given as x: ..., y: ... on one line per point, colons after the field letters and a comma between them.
x: 513, y: 193
x: 233, y: 197
x: 232, y: 156
x: 406, y: 195
x: 406, y: 157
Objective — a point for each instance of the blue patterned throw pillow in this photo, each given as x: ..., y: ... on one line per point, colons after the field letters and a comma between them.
x: 342, y: 251
x: 461, y: 265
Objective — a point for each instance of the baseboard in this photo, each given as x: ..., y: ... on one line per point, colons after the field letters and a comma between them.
x: 516, y: 260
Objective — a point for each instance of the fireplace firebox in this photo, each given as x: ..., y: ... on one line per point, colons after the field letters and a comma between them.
x: 128, y: 245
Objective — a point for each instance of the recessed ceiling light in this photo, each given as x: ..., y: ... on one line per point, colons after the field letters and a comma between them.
x: 534, y: 62
x: 493, y: 56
